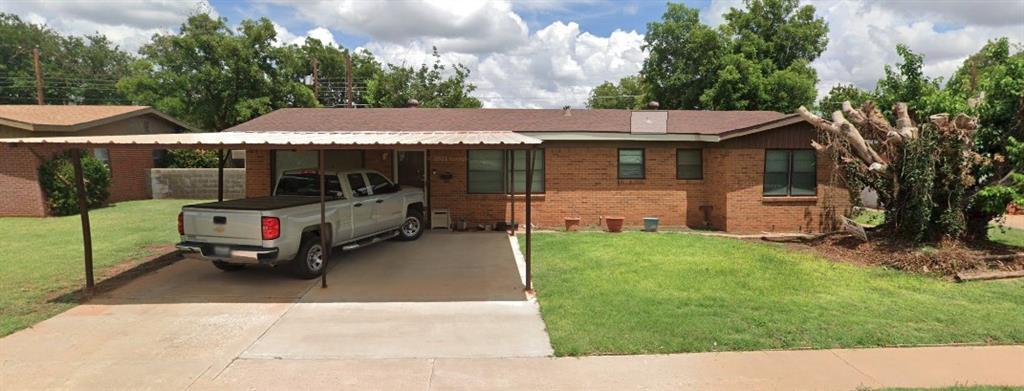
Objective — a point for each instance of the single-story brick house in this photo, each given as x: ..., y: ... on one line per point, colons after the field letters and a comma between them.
x: 19, y: 165
x: 736, y: 171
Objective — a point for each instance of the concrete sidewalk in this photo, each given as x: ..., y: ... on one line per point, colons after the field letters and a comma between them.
x: 777, y: 370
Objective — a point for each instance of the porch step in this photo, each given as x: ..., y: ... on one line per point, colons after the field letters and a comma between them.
x: 368, y: 241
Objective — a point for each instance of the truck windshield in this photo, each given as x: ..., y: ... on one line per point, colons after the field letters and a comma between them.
x: 307, y: 185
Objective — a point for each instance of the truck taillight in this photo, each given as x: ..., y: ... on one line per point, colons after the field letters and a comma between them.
x: 271, y: 228
x: 181, y: 223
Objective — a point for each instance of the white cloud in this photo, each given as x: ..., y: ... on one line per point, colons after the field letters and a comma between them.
x: 285, y: 37
x: 129, y: 24
x: 452, y: 25
x: 863, y: 36
x: 557, y: 66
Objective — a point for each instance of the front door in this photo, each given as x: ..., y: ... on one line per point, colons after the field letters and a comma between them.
x: 412, y: 168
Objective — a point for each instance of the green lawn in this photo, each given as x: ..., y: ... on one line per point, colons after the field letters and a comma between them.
x: 41, y: 258
x: 662, y: 293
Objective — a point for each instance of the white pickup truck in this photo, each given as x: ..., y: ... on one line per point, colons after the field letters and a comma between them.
x: 362, y: 207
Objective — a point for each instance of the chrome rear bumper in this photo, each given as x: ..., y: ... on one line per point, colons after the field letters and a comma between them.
x: 228, y: 253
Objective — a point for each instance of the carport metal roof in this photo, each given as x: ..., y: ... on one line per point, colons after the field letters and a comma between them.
x: 320, y: 141
x: 291, y: 139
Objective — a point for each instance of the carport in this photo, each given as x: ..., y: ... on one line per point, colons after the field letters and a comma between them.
x: 293, y: 140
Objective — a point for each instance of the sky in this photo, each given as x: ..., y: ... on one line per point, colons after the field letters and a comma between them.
x: 549, y: 53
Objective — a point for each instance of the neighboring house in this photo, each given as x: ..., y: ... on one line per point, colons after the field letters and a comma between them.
x: 736, y: 171
x: 19, y: 165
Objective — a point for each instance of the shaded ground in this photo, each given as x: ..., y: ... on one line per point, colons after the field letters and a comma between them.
x: 41, y: 258
x: 661, y: 293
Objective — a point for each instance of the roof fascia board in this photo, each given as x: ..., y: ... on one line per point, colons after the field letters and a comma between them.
x: 610, y: 136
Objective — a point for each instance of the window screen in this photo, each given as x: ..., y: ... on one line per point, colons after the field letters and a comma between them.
x: 486, y: 171
x: 518, y: 163
x: 631, y: 164
x: 689, y: 164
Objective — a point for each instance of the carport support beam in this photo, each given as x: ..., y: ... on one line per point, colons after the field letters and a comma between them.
x: 221, y: 158
x: 512, y: 191
x: 529, y: 218
x: 83, y: 210
x: 325, y: 251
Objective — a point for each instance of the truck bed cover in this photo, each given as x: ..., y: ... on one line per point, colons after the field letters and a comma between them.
x: 259, y: 203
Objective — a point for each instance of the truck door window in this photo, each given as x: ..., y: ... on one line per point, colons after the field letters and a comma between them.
x: 380, y: 184
x: 307, y: 184
x: 359, y: 187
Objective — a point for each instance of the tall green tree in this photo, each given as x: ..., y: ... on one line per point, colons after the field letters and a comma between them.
x: 213, y: 76
x: 78, y: 70
x: 628, y: 93
x: 432, y: 85
x: 759, y: 59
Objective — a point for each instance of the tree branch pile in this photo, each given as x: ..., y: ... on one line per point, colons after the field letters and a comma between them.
x: 921, y: 173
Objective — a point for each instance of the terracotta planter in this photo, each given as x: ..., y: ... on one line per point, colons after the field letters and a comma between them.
x: 614, y: 223
x: 572, y: 224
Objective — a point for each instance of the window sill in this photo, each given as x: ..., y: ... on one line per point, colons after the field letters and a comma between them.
x: 788, y: 199
x: 505, y: 196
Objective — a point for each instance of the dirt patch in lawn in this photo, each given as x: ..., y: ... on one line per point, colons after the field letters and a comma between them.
x: 946, y: 258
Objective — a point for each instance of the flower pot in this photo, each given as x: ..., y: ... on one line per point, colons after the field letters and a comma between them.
x: 614, y: 223
x: 651, y: 224
x: 572, y: 224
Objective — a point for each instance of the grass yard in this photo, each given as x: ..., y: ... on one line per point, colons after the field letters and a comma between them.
x: 663, y: 293
x: 41, y: 258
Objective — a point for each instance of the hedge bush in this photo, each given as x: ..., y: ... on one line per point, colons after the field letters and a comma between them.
x: 57, y: 178
x: 190, y: 158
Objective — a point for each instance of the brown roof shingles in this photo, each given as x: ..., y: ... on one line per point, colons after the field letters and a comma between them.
x: 59, y: 115
x: 516, y: 120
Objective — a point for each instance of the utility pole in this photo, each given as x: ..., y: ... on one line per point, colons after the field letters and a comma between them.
x: 39, y: 77
x: 348, y: 80
x: 316, y: 79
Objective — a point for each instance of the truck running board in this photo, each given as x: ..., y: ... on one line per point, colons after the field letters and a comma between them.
x: 368, y: 241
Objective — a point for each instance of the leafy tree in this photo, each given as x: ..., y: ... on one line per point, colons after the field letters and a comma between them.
x: 684, y: 54
x: 843, y: 93
x: 190, y: 158
x: 759, y: 59
x: 214, y: 77
x: 80, y: 70
x: 396, y: 84
x: 628, y: 93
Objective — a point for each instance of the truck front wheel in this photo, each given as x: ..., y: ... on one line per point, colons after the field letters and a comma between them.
x: 412, y: 227
x: 309, y: 262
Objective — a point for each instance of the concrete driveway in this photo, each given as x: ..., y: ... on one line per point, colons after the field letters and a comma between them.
x: 444, y: 296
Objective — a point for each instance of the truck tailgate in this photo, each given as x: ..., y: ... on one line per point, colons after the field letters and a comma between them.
x: 223, y: 226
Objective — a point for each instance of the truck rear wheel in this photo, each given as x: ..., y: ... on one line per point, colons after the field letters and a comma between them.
x: 228, y: 267
x: 309, y: 262
x: 412, y: 227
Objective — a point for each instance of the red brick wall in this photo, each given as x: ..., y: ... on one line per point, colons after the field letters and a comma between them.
x: 257, y: 173
x: 129, y: 168
x: 380, y: 160
x: 19, y: 180
x: 581, y: 181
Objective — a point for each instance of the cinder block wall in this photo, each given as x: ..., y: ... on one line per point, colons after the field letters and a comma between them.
x: 195, y: 183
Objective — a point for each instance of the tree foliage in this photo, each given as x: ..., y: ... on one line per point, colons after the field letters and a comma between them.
x: 628, y: 93
x: 57, y: 178
x: 759, y: 59
x: 76, y: 70
x: 214, y: 76
x: 951, y: 176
